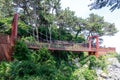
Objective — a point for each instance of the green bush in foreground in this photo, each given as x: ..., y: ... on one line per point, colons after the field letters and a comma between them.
x: 43, y: 65
x: 21, y: 52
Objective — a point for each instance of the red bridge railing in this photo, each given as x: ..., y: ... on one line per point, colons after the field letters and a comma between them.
x: 59, y: 46
x: 62, y: 46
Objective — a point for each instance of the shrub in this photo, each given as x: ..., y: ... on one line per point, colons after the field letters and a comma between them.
x: 22, y: 68
x: 93, y: 62
x: 31, y: 39
x: 43, y: 55
x: 118, y: 57
x: 4, y: 70
x: 101, y: 62
x: 89, y: 74
x: 21, y: 51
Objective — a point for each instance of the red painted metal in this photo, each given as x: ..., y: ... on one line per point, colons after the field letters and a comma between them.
x: 97, y: 41
x: 14, y: 28
x: 74, y: 48
x: 97, y: 45
x: 5, y: 48
x: 7, y: 42
x: 89, y: 43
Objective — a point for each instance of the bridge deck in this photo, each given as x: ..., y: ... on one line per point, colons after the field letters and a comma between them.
x: 74, y: 47
x: 6, y: 47
x: 77, y: 47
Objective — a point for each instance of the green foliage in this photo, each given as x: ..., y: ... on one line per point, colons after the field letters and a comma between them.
x: 89, y: 74
x: 97, y: 26
x: 93, y: 62
x: 21, y: 51
x: 79, y: 39
x: 118, y: 57
x: 23, y: 29
x: 30, y: 38
x: 22, y: 68
x: 40, y: 64
x: 84, y: 61
x: 84, y: 73
x: 43, y: 64
x: 102, y: 62
x: 43, y: 55
x: 6, y: 8
x: 4, y: 68
x: 5, y: 25
x: 78, y: 74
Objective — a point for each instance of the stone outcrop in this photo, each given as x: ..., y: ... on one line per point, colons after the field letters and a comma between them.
x: 113, y: 71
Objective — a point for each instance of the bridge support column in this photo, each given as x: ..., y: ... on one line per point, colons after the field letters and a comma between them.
x: 89, y: 44
x: 7, y: 42
x: 91, y: 53
x: 14, y: 29
x: 94, y: 53
x: 97, y: 45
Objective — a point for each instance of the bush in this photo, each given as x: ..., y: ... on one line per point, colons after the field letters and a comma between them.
x: 21, y: 52
x: 41, y: 65
x: 118, y: 57
x: 22, y: 68
x: 4, y: 70
x: 43, y: 55
x: 101, y: 62
x: 84, y: 74
x: 89, y: 74
x: 93, y: 62
x: 31, y: 39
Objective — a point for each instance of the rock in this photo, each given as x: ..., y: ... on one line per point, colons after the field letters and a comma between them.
x: 98, y: 71
x: 100, y: 78
x: 117, y: 65
x: 104, y: 75
x: 113, y: 71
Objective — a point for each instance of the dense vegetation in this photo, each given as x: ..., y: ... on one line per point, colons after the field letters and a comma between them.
x: 47, y: 21
x: 45, y: 65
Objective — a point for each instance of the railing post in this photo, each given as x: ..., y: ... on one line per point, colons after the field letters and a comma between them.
x: 97, y: 43
x: 89, y: 44
x: 97, y: 47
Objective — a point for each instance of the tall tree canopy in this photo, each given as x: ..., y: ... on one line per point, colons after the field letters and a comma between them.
x: 47, y: 17
x: 40, y: 10
x: 94, y: 25
x: 6, y: 8
x: 113, y: 4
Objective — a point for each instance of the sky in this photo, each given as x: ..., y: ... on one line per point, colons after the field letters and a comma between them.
x: 81, y: 9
